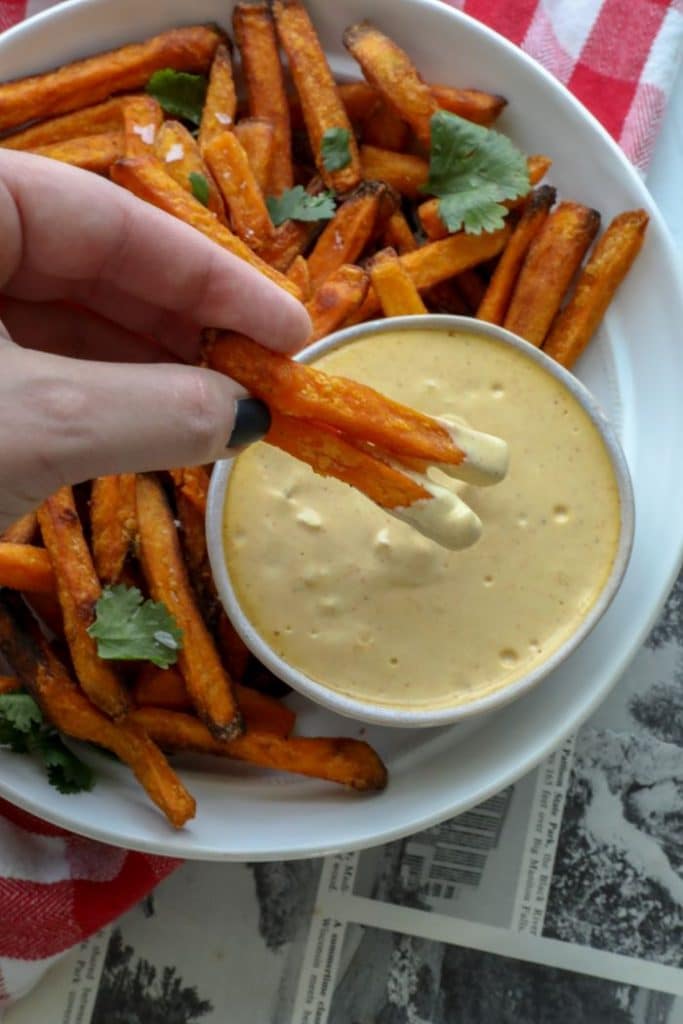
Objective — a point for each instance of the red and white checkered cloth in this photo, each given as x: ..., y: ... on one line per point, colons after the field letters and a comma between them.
x: 620, y: 58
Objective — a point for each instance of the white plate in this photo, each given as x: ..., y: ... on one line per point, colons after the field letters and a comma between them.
x: 635, y: 369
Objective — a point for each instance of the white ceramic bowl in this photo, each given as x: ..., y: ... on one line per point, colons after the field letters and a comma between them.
x: 371, y: 712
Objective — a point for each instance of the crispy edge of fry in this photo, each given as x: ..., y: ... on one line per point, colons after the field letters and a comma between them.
x: 165, y: 688
x: 320, y: 103
x: 220, y: 105
x: 113, y: 523
x: 405, y: 172
x: 551, y: 261
x: 428, y: 211
x: 472, y: 104
x: 340, y: 404
x: 96, y: 120
x: 70, y: 711
x: 398, y: 234
x: 608, y: 265
x: 494, y: 304
x: 147, y: 179
x: 298, y: 272
x: 208, y: 683
x: 346, y: 235
x: 22, y: 531
x: 336, y: 299
x: 78, y: 590
x: 88, y: 81
x: 95, y: 153
x: 175, y: 141
x: 394, y: 286
x: 257, y: 137
x: 436, y: 262
x: 229, y: 164
x: 391, y: 71
x: 26, y: 567
x: 142, y: 119
x: 255, y: 34
x: 346, y: 761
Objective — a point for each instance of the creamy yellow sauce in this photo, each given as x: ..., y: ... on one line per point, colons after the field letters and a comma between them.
x: 371, y: 608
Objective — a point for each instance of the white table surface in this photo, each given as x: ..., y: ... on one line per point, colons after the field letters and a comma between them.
x: 664, y: 181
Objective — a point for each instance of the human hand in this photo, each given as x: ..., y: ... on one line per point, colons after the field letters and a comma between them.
x: 72, y: 404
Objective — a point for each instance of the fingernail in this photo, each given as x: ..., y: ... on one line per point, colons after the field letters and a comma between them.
x: 252, y: 422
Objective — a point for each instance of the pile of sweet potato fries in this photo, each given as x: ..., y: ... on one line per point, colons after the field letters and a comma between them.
x: 319, y: 185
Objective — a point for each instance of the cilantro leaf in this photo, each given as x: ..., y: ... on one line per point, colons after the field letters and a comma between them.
x: 472, y: 169
x: 24, y: 730
x: 335, y: 150
x: 296, y: 204
x: 129, y: 629
x: 200, y: 187
x: 179, y: 93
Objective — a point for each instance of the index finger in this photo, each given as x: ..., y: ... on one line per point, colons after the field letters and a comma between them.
x: 75, y: 226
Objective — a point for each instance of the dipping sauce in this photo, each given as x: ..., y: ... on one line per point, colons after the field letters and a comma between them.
x: 364, y: 604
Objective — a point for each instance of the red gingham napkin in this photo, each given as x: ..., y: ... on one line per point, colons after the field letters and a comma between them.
x: 620, y: 58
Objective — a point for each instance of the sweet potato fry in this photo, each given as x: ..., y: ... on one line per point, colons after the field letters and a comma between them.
x: 113, y: 522
x: 494, y: 304
x: 78, y: 590
x: 255, y: 34
x: 347, y: 234
x: 142, y: 118
x: 439, y: 261
x: 398, y: 234
x: 360, y: 100
x: 22, y: 531
x: 165, y: 688
x: 287, y: 242
x: 349, y: 762
x: 9, y: 684
x: 472, y: 104
x: 94, y: 153
x: 428, y: 212
x: 221, y: 100
x: 230, y: 166
x: 296, y: 390
x: 394, y: 286
x: 257, y: 138
x: 606, y: 268
x: 96, y: 78
x: 207, y: 681
x: 179, y: 153
x: 551, y: 261
x: 391, y: 71
x: 403, y: 171
x: 191, y: 488
x: 45, y: 677
x: 147, y: 179
x: 320, y: 103
x: 25, y: 567
x: 334, y: 301
x: 472, y: 286
x: 100, y: 119
x: 298, y: 273
x: 385, y: 129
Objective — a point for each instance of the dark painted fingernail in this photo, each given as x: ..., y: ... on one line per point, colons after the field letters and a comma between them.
x: 252, y: 422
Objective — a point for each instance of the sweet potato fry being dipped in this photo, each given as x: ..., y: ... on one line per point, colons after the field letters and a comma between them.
x: 79, y: 589
x: 178, y: 151
x: 87, y: 81
x: 45, y: 677
x: 608, y: 265
x: 348, y: 762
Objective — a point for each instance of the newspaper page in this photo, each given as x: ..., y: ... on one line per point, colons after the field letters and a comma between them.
x: 558, y: 900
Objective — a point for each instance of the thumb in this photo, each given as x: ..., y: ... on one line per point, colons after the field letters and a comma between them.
x: 63, y: 421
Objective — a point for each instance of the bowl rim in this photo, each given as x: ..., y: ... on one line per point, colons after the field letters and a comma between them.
x: 397, y: 717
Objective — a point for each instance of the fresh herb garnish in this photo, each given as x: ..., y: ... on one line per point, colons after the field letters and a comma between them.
x: 179, y: 93
x: 335, y: 150
x: 200, y: 187
x: 297, y: 204
x: 128, y: 628
x: 473, y: 170
x: 24, y: 730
